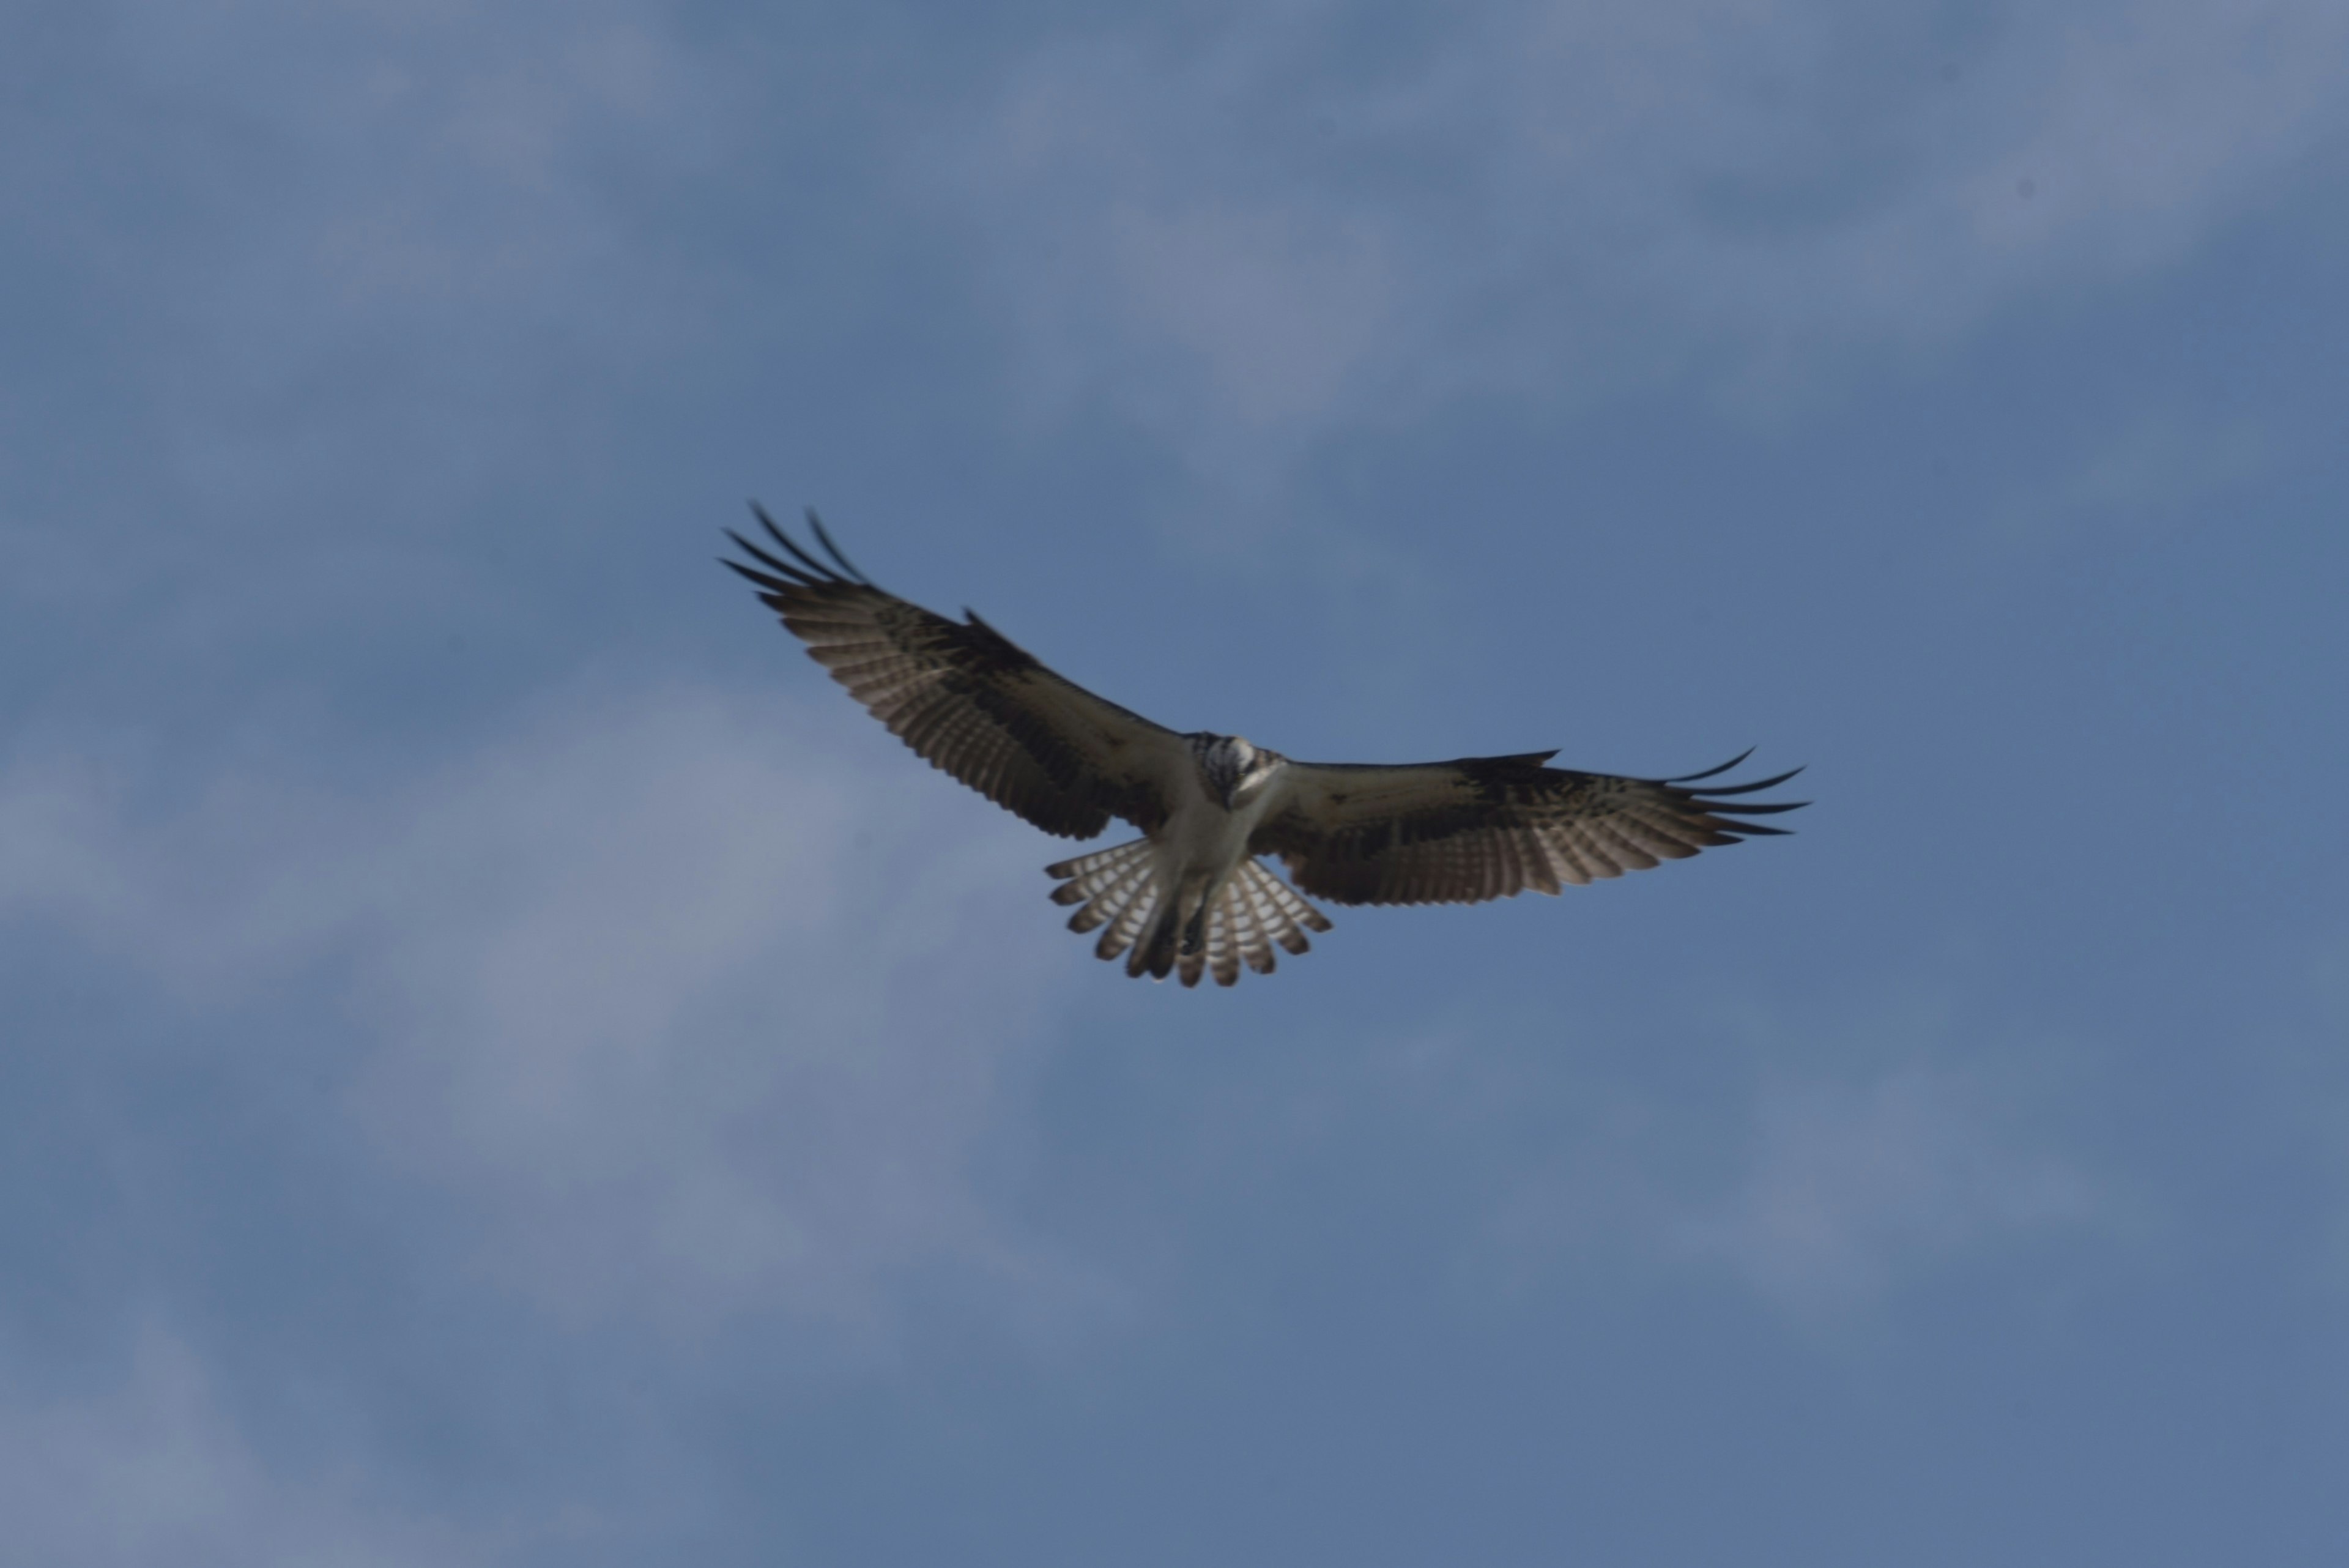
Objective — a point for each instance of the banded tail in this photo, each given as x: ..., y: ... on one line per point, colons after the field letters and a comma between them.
x: 1116, y: 888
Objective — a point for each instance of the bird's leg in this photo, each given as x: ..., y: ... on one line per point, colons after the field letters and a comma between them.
x: 1194, y: 930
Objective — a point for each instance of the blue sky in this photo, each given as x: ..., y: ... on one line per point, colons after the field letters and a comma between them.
x: 506, y: 1064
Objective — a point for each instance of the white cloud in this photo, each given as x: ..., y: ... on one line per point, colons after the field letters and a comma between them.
x: 1848, y: 1187
x: 349, y: 178
x: 696, y: 1018
x: 365, y: 251
x: 1280, y: 223
x: 1824, y: 1185
x: 155, y: 1471
x: 2160, y: 466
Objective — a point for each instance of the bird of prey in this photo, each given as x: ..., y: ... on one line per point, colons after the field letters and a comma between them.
x: 1190, y: 896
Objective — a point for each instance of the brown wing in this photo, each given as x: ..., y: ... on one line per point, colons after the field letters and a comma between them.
x: 966, y: 698
x: 1490, y: 828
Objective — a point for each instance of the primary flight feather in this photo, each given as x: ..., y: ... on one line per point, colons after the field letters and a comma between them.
x: 1190, y: 896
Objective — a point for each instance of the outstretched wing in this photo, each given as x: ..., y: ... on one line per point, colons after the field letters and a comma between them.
x: 966, y: 697
x: 1490, y: 828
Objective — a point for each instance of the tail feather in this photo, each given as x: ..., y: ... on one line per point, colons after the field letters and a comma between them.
x: 1128, y: 926
x: 1155, y: 955
x: 1113, y: 889
x: 1255, y: 912
x: 1193, y: 961
x: 1104, y: 883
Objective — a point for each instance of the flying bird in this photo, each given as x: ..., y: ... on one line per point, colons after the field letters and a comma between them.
x: 1191, y: 896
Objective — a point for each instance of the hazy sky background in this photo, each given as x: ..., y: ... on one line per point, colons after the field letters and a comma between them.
x: 500, y: 1062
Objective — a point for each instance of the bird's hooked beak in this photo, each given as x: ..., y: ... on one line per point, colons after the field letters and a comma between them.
x: 1242, y: 765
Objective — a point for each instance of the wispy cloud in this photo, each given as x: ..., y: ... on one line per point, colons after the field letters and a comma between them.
x: 1822, y: 1185
x: 1847, y: 1187
x: 2162, y: 465
x: 155, y: 1471
x: 694, y: 1016
x: 1289, y: 221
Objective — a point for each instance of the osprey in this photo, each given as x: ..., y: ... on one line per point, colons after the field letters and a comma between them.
x: 1190, y: 896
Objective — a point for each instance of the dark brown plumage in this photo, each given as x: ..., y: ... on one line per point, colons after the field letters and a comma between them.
x: 1190, y: 898
x: 1490, y: 828
x: 963, y: 695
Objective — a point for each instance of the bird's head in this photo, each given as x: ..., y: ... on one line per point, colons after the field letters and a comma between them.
x: 1234, y: 772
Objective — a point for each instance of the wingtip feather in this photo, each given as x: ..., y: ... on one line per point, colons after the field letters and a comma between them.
x: 1712, y: 773
x: 1754, y: 788
x: 824, y: 537
x: 790, y: 576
